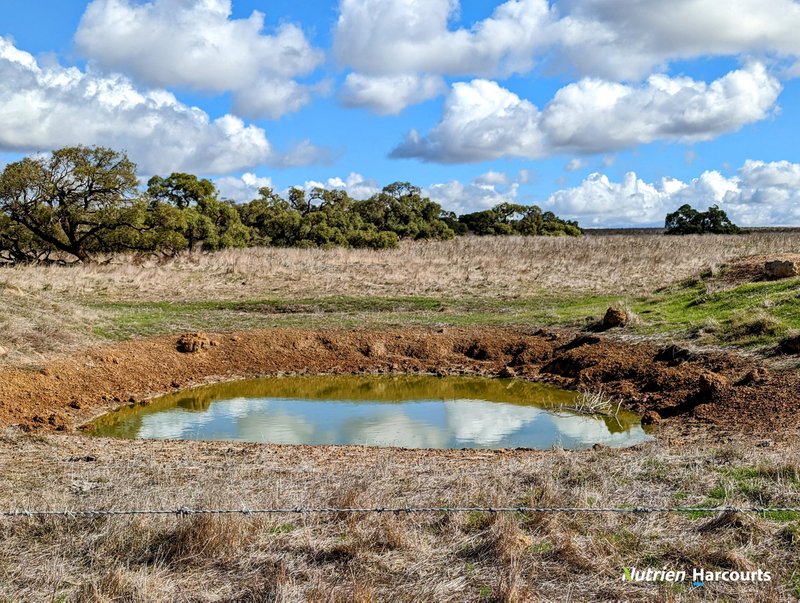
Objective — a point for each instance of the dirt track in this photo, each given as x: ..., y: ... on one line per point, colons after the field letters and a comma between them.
x: 725, y: 391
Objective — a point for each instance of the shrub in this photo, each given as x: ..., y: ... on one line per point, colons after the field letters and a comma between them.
x: 514, y: 219
x: 687, y: 220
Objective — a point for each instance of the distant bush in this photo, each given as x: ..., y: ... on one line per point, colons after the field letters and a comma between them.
x: 687, y: 220
x: 514, y: 219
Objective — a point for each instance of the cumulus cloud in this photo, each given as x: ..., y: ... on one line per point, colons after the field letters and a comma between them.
x: 759, y: 194
x: 355, y: 185
x: 612, y: 39
x: 390, y: 94
x: 306, y: 153
x: 393, y: 37
x: 271, y: 98
x: 186, y: 43
x: 620, y: 39
x: 492, y: 178
x: 483, y: 192
x: 46, y: 107
x: 482, y: 120
x: 405, y: 45
x: 242, y: 188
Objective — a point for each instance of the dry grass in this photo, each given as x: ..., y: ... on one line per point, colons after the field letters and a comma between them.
x: 595, y: 402
x: 468, y: 557
x: 47, y: 310
x: 467, y: 266
x: 462, y: 557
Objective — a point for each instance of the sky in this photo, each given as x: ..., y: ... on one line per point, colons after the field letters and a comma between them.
x: 610, y: 112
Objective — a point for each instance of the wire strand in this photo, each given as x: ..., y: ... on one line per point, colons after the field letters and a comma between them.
x: 187, y: 511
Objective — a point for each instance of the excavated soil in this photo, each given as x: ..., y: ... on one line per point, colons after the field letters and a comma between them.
x: 750, y: 269
x: 688, y: 392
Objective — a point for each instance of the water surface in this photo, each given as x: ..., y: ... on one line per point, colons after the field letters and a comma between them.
x: 404, y: 411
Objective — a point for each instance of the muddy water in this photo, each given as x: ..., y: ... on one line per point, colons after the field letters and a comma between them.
x: 408, y: 411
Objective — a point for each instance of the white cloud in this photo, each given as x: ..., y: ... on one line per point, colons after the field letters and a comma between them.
x: 484, y: 192
x: 196, y: 44
x: 54, y: 106
x: 409, y: 41
x: 575, y: 164
x: 612, y: 39
x: 483, y: 120
x: 271, y: 98
x: 306, y: 153
x: 492, y: 178
x: 620, y: 39
x: 390, y: 94
x: 759, y: 194
x: 392, y: 37
x: 355, y: 185
x: 242, y: 188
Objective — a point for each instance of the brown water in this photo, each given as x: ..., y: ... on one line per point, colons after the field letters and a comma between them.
x: 404, y: 411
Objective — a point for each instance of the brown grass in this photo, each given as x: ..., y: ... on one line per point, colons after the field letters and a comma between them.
x: 45, y: 310
x: 50, y: 310
x: 437, y: 557
x: 493, y: 266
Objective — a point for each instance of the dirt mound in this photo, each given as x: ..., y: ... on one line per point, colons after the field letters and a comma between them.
x: 615, y: 317
x: 754, y: 268
x: 790, y: 345
x: 726, y: 390
x: 191, y: 343
x: 777, y: 269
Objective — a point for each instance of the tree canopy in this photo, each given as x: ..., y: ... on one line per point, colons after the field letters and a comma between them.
x: 78, y: 202
x: 515, y: 219
x: 687, y: 220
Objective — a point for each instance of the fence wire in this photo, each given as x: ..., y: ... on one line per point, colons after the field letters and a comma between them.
x: 187, y: 511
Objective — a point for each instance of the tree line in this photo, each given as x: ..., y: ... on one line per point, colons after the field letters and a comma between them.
x: 78, y: 202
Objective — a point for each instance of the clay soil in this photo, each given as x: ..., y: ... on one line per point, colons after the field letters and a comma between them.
x: 689, y: 393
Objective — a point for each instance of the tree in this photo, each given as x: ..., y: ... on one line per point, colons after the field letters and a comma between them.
x: 79, y: 200
x: 212, y: 222
x: 716, y: 221
x: 181, y: 190
x: 516, y: 219
x: 687, y: 220
x: 401, y: 209
x: 20, y: 245
x: 272, y: 220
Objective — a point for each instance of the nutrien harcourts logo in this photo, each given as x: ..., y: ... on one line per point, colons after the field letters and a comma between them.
x: 699, y: 575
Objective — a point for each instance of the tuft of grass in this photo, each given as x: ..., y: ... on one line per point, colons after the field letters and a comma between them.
x: 594, y: 402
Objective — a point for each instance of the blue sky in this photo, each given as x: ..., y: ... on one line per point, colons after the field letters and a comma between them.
x: 611, y: 112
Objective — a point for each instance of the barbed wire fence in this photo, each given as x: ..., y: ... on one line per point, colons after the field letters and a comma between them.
x: 187, y: 511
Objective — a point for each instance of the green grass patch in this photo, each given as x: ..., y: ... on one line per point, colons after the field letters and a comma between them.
x: 123, y: 320
x: 757, y: 486
x: 754, y: 314
x: 751, y: 315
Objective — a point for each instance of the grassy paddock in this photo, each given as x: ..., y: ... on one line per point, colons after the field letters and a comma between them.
x: 679, y: 289
x: 429, y: 557
x: 48, y: 310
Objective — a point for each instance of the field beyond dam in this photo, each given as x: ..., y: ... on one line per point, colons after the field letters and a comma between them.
x: 705, y: 353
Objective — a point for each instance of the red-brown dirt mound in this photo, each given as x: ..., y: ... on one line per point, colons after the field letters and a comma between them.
x: 727, y: 391
x: 751, y: 268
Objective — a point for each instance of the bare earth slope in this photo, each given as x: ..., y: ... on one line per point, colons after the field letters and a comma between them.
x: 722, y: 389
